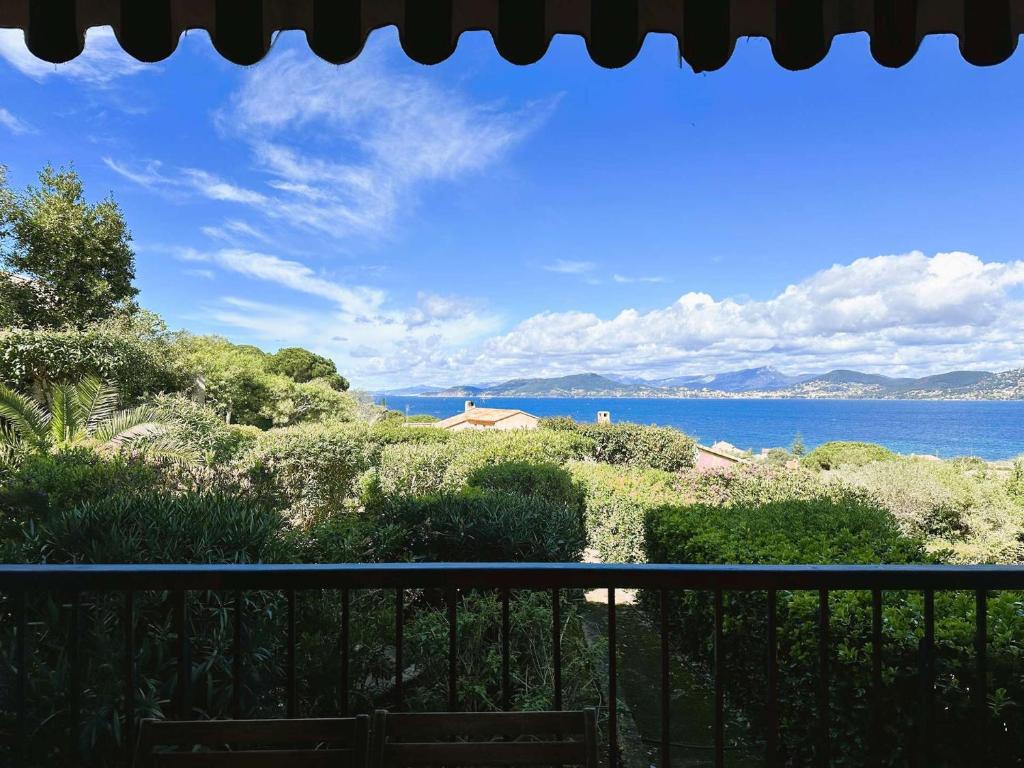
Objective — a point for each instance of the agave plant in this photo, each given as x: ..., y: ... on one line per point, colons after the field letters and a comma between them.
x: 82, y: 412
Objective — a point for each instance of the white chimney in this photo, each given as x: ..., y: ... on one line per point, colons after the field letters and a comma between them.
x: 469, y: 405
x: 604, y: 417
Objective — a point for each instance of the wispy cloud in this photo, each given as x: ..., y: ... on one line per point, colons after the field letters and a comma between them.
x: 567, y: 267
x: 627, y: 280
x: 102, y: 62
x: 343, y: 149
x: 14, y: 124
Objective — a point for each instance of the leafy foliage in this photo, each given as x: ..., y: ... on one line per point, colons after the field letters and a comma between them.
x: 845, y: 454
x: 842, y: 527
x: 634, y: 445
x: 966, y: 511
x: 134, y: 354
x: 301, y: 365
x: 70, y: 262
x: 618, y: 500
x: 74, y: 414
x: 310, y: 468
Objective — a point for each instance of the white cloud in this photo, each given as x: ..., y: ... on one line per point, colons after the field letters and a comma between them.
x: 567, y: 267
x: 102, y: 62
x: 908, y: 313
x: 14, y: 124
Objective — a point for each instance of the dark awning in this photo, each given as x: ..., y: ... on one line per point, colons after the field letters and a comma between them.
x: 800, y: 31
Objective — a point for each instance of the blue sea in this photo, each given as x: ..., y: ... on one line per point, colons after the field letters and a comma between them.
x: 990, y: 430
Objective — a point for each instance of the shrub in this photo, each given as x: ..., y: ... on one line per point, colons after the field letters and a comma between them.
x: 312, y: 468
x: 749, y: 484
x: 845, y: 454
x: 964, y: 510
x: 844, y: 528
x: 618, y: 500
x: 53, y: 483
x: 200, y: 428
x: 137, y: 359
x: 632, y: 444
x: 482, y: 526
x: 429, y: 466
x: 548, y: 482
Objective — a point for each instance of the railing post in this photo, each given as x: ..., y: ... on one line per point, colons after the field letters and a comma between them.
x: 236, y: 656
x: 21, y: 659
x: 772, y: 746
x: 183, y: 704
x: 506, y: 682
x: 980, y: 692
x: 292, y: 702
x: 75, y: 660
x: 824, y: 737
x: 613, y: 705
x: 556, y: 645
x: 666, y: 683
x: 927, y: 669
x: 129, y: 674
x: 876, y: 676
x: 344, y: 651
x: 399, y: 628
x: 719, y: 662
x: 453, y: 651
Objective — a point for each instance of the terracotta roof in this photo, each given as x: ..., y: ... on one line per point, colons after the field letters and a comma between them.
x: 800, y: 31
x: 723, y: 454
x: 481, y: 416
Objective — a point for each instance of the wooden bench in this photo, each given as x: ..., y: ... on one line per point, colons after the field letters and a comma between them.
x: 484, y: 739
x: 308, y: 743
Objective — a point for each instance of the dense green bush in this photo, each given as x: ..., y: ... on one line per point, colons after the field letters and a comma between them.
x: 618, y: 500
x: 312, y: 468
x: 750, y: 484
x: 845, y: 454
x: 480, y: 526
x: 549, y: 482
x: 136, y: 359
x: 964, y: 509
x: 201, y: 428
x: 844, y: 528
x: 427, y: 466
x: 632, y: 444
x: 46, y: 484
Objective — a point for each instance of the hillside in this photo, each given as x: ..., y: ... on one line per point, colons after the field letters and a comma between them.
x: 762, y: 382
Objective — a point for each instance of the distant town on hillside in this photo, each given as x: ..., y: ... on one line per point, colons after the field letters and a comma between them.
x: 762, y: 382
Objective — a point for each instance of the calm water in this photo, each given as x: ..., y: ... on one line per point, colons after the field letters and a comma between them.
x: 991, y: 430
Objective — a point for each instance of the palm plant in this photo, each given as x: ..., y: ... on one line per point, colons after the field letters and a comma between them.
x: 84, y: 412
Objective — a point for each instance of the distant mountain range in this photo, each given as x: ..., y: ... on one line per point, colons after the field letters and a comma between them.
x: 763, y: 382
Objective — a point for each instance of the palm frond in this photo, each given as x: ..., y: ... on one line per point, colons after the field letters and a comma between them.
x: 129, y: 424
x: 26, y: 417
x: 96, y: 400
x: 63, y: 421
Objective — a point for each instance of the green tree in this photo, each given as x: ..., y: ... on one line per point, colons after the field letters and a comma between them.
x: 798, y: 448
x: 74, y: 414
x: 301, y: 366
x: 65, y: 261
x: 234, y: 377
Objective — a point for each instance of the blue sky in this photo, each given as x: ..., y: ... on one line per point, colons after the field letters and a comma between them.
x: 476, y: 221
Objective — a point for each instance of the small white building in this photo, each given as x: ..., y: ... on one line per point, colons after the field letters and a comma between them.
x: 489, y: 418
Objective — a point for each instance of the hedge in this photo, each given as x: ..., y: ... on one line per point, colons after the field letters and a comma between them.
x: 480, y: 526
x: 311, y: 468
x: 427, y: 467
x: 634, y: 445
x: 618, y: 500
x: 846, y: 454
x: 844, y: 528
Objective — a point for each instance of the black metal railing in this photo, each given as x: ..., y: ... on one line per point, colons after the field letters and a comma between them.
x: 21, y: 581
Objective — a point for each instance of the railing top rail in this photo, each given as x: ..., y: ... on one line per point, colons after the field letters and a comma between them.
x: 120, y: 577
